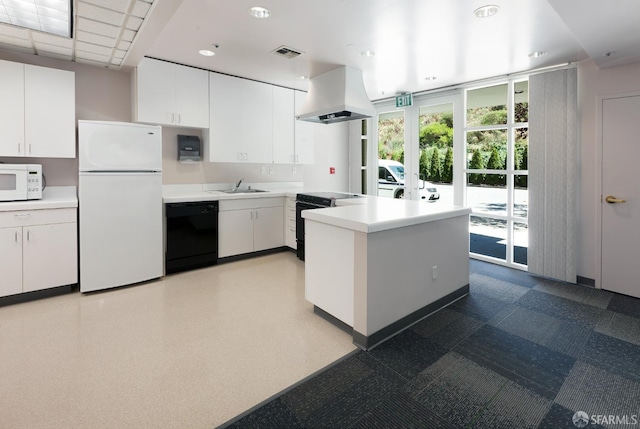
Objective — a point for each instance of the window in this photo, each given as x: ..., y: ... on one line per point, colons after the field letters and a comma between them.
x: 496, y: 138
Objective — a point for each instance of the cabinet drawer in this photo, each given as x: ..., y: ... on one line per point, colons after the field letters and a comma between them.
x: 37, y: 217
x: 291, y: 203
x: 250, y: 203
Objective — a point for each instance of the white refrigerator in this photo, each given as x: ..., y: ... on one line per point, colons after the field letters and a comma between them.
x: 120, y: 203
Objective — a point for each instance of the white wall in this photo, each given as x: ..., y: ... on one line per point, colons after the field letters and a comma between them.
x: 331, y: 150
x: 593, y: 82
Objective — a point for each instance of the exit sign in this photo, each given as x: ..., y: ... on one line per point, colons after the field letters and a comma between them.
x: 404, y: 100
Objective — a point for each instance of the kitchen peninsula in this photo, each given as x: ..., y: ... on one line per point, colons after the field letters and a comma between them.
x: 377, y: 266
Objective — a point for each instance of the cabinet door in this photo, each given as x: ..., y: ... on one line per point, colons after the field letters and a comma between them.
x: 12, y: 109
x: 49, y: 112
x: 50, y: 256
x: 257, y: 121
x: 192, y: 97
x: 156, y: 92
x: 226, y: 118
x: 283, y: 126
x: 268, y: 228
x: 10, y: 261
x: 304, y: 140
x: 235, y: 232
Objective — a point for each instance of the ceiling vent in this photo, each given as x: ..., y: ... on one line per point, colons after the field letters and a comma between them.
x: 286, y: 52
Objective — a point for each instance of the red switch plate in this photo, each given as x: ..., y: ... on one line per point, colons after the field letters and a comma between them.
x: 332, y: 170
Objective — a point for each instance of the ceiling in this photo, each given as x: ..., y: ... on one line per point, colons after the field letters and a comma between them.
x: 418, y: 44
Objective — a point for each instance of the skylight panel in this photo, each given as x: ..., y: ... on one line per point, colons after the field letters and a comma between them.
x: 49, y: 16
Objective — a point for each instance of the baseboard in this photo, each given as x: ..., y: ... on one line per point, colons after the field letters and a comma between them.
x: 37, y: 294
x: 371, y: 341
x: 252, y: 254
x: 333, y: 320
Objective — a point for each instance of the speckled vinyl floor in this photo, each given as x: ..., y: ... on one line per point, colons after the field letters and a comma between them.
x: 517, y: 352
x: 190, y: 350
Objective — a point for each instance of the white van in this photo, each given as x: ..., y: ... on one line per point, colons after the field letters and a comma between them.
x: 391, y: 182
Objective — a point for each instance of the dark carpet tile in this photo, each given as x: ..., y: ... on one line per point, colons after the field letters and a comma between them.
x: 478, y: 306
x: 460, y: 392
x: 599, y: 392
x: 548, y: 331
x: 352, y: 404
x: 582, y: 294
x: 620, y: 326
x: 561, y: 308
x: 613, y: 355
x: 521, y: 278
x: 272, y: 415
x: 389, y: 372
x: 496, y: 289
x: 533, y: 366
x: 560, y: 417
x: 470, y: 395
x: 625, y: 305
x: 399, y: 411
x: 408, y: 353
x: 447, y: 327
x: 311, y: 396
x: 513, y: 407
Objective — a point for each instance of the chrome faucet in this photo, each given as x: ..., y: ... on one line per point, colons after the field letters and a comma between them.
x: 238, y: 185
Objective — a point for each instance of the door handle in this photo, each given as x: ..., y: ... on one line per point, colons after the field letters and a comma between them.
x: 613, y: 200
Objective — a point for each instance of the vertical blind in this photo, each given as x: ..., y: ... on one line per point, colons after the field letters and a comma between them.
x: 553, y: 142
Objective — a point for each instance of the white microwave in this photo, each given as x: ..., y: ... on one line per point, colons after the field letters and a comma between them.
x: 20, y: 182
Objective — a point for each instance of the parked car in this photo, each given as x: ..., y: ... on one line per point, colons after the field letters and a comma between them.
x: 391, y: 182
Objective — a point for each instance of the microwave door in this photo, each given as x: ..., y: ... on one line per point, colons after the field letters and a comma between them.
x: 13, y: 184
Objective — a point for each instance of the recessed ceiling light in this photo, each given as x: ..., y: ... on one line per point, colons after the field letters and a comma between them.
x: 367, y: 53
x: 259, y: 12
x: 206, y: 52
x: 302, y: 77
x: 486, y: 11
x: 537, y: 54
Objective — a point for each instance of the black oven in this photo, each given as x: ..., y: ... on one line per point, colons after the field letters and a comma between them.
x: 315, y: 200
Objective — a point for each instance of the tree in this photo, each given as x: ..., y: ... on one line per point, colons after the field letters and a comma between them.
x: 434, y: 165
x: 476, y: 163
x: 447, y: 168
x: 495, y: 163
x: 424, y: 164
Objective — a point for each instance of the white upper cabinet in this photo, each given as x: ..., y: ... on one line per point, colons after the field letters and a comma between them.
x: 255, y: 122
x: 49, y: 112
x: 304, y: 139
x: 12, y: 109
x: 38, y: 111
x: 171, y: 94
x: 241, y: 123
x: 283, y: 126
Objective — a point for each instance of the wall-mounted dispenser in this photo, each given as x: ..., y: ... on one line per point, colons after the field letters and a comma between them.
x: 188, y: 148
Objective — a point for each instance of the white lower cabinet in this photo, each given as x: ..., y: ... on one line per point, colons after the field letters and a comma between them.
x: 250, y: 225
x: 38, y: 250
x: 290, y: 222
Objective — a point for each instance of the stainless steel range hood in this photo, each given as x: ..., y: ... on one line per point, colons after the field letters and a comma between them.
x: 336, y: 96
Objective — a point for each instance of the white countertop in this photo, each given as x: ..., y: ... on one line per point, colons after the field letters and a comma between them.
x: 213, y: 192
x: 53, y: 197
x: 373, y: 214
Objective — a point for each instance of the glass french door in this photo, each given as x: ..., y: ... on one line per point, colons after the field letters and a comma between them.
x: 496, y: 170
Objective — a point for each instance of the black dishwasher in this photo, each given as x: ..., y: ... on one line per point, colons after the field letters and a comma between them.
x: 192, y: 235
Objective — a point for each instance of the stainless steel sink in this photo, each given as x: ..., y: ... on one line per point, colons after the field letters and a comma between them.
x: 242, y: 191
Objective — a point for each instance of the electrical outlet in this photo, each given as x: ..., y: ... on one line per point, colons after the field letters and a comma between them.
x: 294, y: 169
x: 272, y: 169
x: 434, y: 272
x: 263, y: 169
